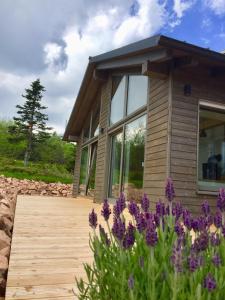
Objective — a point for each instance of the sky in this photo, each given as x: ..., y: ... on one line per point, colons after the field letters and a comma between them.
x: 52, y: 40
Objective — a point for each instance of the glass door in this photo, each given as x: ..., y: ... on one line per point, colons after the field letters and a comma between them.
x: 115, y: 165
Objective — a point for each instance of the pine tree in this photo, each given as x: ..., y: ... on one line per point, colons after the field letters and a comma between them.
x: 31, y: 121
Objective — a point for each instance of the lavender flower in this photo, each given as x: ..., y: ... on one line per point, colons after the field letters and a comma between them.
x: 141, y: 222
x: 177, y: 258
x: 218, y: 219
x: 221, y: 200
x: 104, y: 235
x: 215, y: 239
x: 129, y: 237
x: 193, y: 263
x: 177, y: 210
x: 133, y: 208
x: 131, y: 282
x: 205, y: 208
x: 169, y: 190
x: 160, y: 208
x: 187, y: 219
x: 179, y: 229
x: 106, y: 211
x: 93, y: 219
x: 119, y: 206
x: 216, y: 260
x: 151, y: 237
x: 118, y: 229
x: 209, y: 283
x: 145, y: 203
x: 201, y: 242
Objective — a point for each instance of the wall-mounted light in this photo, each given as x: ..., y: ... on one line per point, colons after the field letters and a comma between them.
x: 187, y: 89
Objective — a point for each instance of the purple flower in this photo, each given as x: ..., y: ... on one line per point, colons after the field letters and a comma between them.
x: 209, y: 283
x: 221, y: 200
x: 93, y: 219
x: 177, y: 210
x: 151, y: 237
x: 131, y: 282
x: 177, y: 258
x: 106, y: 211
x: 179, y: 229
x: 104, y: 235
x: 169, y: 190
x: 118, y: 229
x: 201, y: 242
x: 218, y: 219
x: 119, y: 206
x: 205, y: 208
x: 145, y: 203
x: 129, y: 237
x: 215, y: 239
x: 216, y: 260
x: 157, y: 220
x: 133, y: 208
x: 141, y: 222
x: 187, y: 219
x: 193, y: 263
x: 160, y: 208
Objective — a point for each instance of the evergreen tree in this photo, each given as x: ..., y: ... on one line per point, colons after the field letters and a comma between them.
x: 31, y: 121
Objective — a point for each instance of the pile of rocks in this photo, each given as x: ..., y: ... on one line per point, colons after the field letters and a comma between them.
x: 9, y: 188
x: 31, y: 187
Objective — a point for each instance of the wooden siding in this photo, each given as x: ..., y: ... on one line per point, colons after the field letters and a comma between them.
x: 77, y: 168
x: 102, y: 151
x: 156, y: 146
x: 184, y: 133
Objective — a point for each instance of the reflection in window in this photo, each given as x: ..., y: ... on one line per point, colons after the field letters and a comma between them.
x: 116, y: 148
x: 95, y: 121
x: 134, y: 158
x: 83, y: 170
x: 211, y: 158
x: 117, y: 102
x: 92, y: 171
x: 137, y: 92
x: 87, y: 129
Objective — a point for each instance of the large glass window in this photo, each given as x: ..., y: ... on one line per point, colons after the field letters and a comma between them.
x: 128, y: 145
x: 91, y: 126
x: 137, y: 92
x: 129, y: 93
x: 134, y: 158
x: 211, y: 156
x: 83, y: 170
x: 117, y: 103
x: 116, y: 148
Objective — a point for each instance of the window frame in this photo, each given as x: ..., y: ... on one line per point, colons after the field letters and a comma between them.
x: 214, y: 106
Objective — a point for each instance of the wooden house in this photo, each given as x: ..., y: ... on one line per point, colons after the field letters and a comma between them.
x: 147, y: 111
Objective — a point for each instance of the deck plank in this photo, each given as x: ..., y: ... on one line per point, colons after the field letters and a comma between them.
x: 49, y: 247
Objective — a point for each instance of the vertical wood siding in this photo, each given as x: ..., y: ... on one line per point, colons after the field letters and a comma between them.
x: 156, y: 146
x: 102, y: 152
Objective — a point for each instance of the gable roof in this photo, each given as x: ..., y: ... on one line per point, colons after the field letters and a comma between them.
x: 154, y: 48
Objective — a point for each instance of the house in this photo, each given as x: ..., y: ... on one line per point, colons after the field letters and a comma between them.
x: 147, y: 111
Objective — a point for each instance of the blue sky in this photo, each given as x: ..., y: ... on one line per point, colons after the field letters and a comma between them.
x: 52, y: 40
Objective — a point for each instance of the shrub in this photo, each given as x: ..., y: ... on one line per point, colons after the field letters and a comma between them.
x: 156, y: 256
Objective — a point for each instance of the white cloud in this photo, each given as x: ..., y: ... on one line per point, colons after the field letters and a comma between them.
x: 217, y: 6
x: 180, y: 6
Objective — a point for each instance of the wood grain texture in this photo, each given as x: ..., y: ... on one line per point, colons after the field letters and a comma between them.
x: 49, y: 247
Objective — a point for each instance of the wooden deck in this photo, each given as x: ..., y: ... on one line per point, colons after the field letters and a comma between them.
x: 50, y: 243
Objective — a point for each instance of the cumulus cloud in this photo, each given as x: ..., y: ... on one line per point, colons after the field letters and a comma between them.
x: 217, y: 6
x: 56, y: 49
x: 180, y: 6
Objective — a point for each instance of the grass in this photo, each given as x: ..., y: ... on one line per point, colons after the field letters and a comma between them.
x: 35, y: 171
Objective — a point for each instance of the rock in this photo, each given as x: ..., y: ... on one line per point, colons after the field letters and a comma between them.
x: 3, y: 266
x: 6, y: 225
x: 5, y: 252
x: 5, y: 241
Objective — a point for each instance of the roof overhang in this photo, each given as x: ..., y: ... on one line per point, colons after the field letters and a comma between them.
x: 151, y: 54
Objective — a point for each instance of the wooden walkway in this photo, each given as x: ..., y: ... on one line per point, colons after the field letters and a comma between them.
x: 50, y: 243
